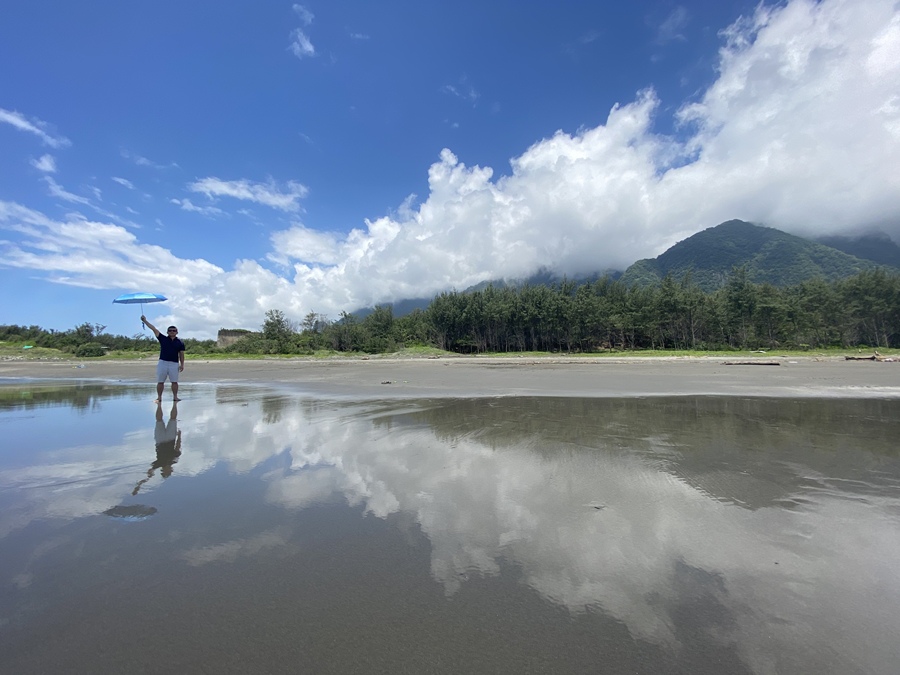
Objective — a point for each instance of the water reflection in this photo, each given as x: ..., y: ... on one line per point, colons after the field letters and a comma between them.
x: 131, y: 512
x: 730, y: 534
x: 79, y: 396
x: 168, y: 445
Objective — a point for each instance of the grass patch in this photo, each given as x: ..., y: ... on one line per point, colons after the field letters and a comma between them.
x: 17, y: 350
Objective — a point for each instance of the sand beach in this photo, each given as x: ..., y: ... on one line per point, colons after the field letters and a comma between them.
x: 475, y: 376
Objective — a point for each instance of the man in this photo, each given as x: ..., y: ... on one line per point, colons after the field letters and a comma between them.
x: 171, y: 359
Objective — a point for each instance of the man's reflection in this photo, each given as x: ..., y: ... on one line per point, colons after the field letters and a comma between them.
x: 168, y: 445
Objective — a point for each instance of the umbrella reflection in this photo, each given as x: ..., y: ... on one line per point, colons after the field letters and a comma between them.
x: 131, y: 512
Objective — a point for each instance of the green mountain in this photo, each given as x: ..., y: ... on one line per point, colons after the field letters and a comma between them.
x: 769, y: 256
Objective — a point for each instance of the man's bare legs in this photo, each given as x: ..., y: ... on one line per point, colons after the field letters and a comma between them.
x: 160, y: 386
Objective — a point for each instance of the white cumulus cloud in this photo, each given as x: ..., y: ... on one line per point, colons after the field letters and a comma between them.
x: 306, y: 245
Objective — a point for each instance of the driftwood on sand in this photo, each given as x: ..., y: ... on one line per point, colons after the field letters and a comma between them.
x: 874, y: 357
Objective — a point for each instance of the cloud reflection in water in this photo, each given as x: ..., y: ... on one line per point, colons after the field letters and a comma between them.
x: 773, y: 523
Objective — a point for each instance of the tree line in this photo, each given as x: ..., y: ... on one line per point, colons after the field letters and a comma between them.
x: 91, y: 339
x: 608, y: 314
x: 862, y: 310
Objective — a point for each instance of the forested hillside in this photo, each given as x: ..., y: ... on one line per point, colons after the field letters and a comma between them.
x: 767, y: 255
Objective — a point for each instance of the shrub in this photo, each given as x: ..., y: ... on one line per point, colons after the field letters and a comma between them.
x: 90, y: 349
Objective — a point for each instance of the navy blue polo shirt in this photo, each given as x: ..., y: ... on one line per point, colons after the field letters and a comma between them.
x: 169, y: 348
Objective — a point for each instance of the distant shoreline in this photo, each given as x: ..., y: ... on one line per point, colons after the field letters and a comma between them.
x: 479, y: 376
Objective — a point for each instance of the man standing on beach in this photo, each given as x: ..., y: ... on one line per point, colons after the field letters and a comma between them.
x: 171, y: 359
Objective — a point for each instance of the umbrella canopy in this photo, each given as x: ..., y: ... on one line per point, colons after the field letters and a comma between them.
x: 140, y: 299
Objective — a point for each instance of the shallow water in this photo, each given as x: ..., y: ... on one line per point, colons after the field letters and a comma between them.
x: 660, y: 535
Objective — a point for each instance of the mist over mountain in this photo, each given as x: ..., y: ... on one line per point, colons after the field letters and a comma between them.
x: 877, y: 247
x: 543, y: 277
x: 768, y: 254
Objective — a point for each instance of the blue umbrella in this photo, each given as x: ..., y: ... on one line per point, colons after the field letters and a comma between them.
x: 140, y: 298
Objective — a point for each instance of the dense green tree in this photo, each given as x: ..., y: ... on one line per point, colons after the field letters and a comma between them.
x: 345, y: 335
x: 873, y: 300
x: 739, y: 304
x: 278, y: 333
x: 414, y: 329
x: 277, y: 326
x: 377, y: 330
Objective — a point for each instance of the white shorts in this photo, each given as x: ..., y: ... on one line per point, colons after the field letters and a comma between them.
x: 166, y: 369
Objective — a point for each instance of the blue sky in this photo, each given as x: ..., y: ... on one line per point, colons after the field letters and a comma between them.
x: 321, y: 157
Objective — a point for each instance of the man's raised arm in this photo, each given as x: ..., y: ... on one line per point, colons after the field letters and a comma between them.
x: 150, y: 325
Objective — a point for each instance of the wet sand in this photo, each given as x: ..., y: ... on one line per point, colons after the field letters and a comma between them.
x: 347, y: 527
x: 455, y: 377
